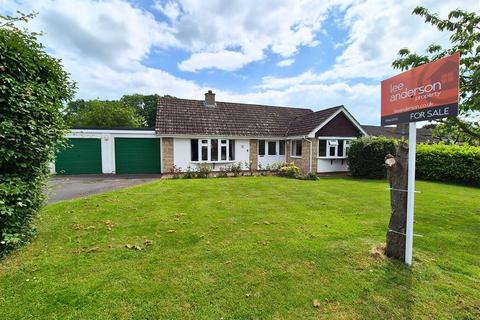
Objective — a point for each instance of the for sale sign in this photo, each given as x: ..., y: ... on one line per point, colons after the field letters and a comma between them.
x: 427, y: 92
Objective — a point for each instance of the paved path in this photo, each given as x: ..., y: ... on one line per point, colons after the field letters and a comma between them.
x: 69, y: 187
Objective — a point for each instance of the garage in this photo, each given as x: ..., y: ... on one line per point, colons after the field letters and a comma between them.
x: 81, y: 156
x: 137, y: 155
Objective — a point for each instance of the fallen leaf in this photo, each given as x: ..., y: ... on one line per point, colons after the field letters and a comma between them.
x: 171, y: 231
x: 148, y: 243
x: 316, y: 303
x: 93, y: 249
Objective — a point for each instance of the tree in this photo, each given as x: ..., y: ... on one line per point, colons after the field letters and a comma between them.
x: 33, y: 89
x: 102, y: 114
x: 145, y: 105
x: 465, y: 38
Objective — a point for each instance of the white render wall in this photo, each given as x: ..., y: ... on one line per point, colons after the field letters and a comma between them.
x: 331, y: 165
x: 107, y: 143
x: 181, y: 154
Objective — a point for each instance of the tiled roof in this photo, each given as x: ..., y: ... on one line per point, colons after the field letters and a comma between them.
x: 423, y: 134
x: 304, y: 124
x: 192, y: 117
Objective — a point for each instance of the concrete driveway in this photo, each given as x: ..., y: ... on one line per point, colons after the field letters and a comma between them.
x: 69, y: 187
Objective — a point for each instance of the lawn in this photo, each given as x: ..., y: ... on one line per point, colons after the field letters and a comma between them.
x: 246, y: 248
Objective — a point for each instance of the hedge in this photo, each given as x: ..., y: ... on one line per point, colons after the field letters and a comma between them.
x: 437, y: 162
x: 448, y: 163
x: 33, y: 88
x: 367, y: 155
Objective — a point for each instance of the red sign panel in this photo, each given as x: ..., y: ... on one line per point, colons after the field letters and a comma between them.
x: 427, y: 92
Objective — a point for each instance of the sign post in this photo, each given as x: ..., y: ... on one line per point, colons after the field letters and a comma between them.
x: 427, y: 92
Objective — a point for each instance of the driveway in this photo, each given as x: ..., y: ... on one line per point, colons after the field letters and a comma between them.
x: 69, y: 187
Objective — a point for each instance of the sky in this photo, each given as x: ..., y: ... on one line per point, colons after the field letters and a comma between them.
x: 299, y: 53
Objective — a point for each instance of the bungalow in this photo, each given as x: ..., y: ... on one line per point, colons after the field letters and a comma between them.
x: 189, y: 133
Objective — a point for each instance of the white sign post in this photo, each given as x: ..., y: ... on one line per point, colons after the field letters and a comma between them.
x: 412, y: 150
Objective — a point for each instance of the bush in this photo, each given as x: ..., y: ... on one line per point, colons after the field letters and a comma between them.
x: 235, y: 168
x: 367, y: 155
x: 203, y: 170
x: 449, y: 163
x: 32, y: 92
x: 308, y: 176
x: 289, y: 170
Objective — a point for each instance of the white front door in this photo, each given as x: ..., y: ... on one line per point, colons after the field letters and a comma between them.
x: 270, y: 152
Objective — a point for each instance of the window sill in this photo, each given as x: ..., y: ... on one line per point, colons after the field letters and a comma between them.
x: 332, y: 158
x: 296, y: 157
x: 213, y: 162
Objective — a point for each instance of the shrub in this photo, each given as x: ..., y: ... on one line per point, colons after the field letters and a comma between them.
x: 289, y: 170
x: 32, y: 92
x: 175, y: 172
x: 367, y: 155
x: 235, y: 168
x: 448, y: 163
x: 203, y: 170
x: 308, y: 176
x: 189, y: 174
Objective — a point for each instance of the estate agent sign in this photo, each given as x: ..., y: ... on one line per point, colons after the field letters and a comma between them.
x: 427, y: 92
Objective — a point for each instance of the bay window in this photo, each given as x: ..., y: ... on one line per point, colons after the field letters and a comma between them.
x: 212, y: 150
x: 333, y: 148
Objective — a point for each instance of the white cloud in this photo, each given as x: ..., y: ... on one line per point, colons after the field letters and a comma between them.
x: 285, y: 62
x: 224, y: 59
x: 170, y: 9
x: 378, y: 29
x: 216, y: 31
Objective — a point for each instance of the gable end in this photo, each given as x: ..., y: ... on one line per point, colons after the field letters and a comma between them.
x: 339, y: 126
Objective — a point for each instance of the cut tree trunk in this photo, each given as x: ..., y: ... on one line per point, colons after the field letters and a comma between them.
x: 397, y: 169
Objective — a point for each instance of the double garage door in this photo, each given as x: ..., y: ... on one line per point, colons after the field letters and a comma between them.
x: 132, y: 155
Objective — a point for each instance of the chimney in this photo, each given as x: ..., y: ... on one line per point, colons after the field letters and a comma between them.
x: 210, y: 99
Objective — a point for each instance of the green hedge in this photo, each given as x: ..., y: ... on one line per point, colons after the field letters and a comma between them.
x: 448, y: 163
x: 33, y: 88
x: 437, y: 162
x: 367, y: 155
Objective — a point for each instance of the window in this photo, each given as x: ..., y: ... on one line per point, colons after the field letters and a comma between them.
x: 333, y: 148
x: 223, y: 150
x: 261, y: 147
x: 204, y: 148
x: 347, y: 147
x: 231, y: 150
x: 272, y: 148
x: 194, y: 149
x: 212, y: 150
x: 297, y: 148
x: 322, y: 148
x: 340, y: 148
x: 281, y: 147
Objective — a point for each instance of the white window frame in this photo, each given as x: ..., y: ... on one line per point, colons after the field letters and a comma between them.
x: 334, y: 142
x: 209, y: 150
x: 293, y: 145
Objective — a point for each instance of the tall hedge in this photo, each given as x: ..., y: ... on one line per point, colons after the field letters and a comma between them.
x: 33, y: 88
x: 448, y: 163
x: 367, y: 155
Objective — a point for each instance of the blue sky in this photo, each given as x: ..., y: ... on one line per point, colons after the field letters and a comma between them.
x: 306, y: 53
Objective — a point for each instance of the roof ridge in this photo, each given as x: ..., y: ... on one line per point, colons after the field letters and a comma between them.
x: 241, y: 103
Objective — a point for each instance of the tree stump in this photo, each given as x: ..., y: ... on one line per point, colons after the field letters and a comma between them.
x: 397, y: 170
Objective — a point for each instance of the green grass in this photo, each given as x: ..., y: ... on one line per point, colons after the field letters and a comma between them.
x: 246, y: 248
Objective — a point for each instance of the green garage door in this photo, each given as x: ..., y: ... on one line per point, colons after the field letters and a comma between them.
x: 137, y: 155
x: 81, y: 156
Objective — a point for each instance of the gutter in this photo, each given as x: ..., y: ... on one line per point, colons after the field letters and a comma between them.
x: 311, y: 151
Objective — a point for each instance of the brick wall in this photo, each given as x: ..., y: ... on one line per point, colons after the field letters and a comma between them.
x: 304, y: 162
x: 167, y: 154
x: 252, y: 150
